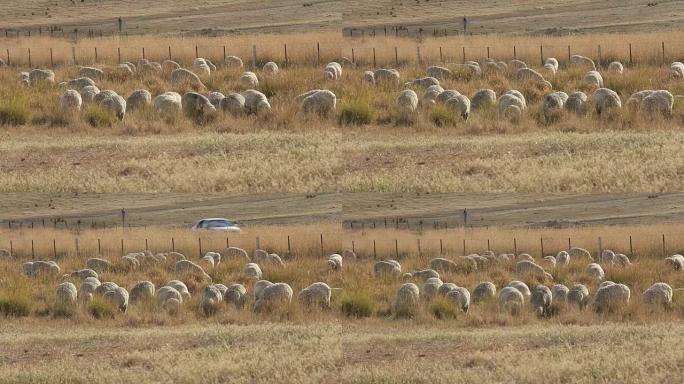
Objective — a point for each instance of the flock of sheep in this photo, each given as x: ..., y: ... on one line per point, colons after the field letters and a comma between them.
x: 266, y: 296
x: 511, y: 104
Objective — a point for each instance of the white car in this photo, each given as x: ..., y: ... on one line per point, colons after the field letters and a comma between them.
x: 217, y: 224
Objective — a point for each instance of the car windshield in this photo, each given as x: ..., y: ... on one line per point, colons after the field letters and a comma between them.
x: 216, y: 224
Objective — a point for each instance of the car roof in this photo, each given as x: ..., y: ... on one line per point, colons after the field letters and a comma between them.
x: 216, y: 218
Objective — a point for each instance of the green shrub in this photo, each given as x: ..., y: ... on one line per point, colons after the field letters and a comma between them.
x: 100, y: 309
x: 357, y: 304
x: 441, y: 308
x: 15, y: 303
x: 442, y: 116
x: 98, y: 117
x: 356, y: 111
x: 14, y: 112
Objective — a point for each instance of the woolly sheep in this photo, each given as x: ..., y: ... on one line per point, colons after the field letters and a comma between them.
x: 611, y: 297
x: 407, y: 300
x: 233, y: 62
x: 559, y: 293
x: 577, y: 103
x: 443, y: 265
x: 634, y: 101
x: 255, y: 102
x: 430, y: 95
x: 333, y: 71
x: 425, y: 274
x: 552, y: 62
x: 150, y: 68
x: 658, y: 103
x: 271, y: 68
x: 407, y: 101
x: 141, y: 292
x: 579, y: 252
x: 319, y: 101
x: 483, y: 292
x: 541, y: 300
x: 315, y: 295
x: 562, y: 258
x: 423, y: 82
x: 369, y: 77
x: 594, y: 79
x: 525, y: 267
x: 235, y: 294
x: 261, y: 256
x: 233, y: 104
x: 24, y: 78
x: 88, y: 94
x: 528, y: 74
x: 210, y: 299
x: 182, y: 76
x: 676, y: 262
x: 83, y: 274
x: 446, y: 95
x: 615, y: 67
x: 446, y: 288
x: 200, y: 66
x: 578, y: 295
x: 195, y: 104
x: 658, y: 294
x: 386, y: 268
x: 430, y: 288
x: 516, y: 64
x: 348, y: 254
x: 188, y: 267
x: 37, y: 268
x: 272, y: 297
x: 41, y: 76
x: 525, y: 256
x: 483, y: 98
x: 386, y: 76
x: 131, y: 66
x: 522, y: 287
x: 439, y: 73
x: 175, y: 256
x: 115, y: 105
x: 595, y: 271
x: 180, y: 287
x: 236, y: 253
x: 460, y: 297
x: 169, y: 65
x: 169, y: 299
x: 495, y: 67
x: 553, y: 106
x: 87, y: 289
x: 259, y: 287
x: 621, y: 260
x: 138, y: 99
x: 468, y: 69
x: 104, y: 94
x: 459, y: 105
x: 117, y: 297
x: 65, y: 296
x: 252, y: 271
x: 91, y: 72
x: 509, y: 100
x: 676, y: 70
x: 604, y: 100
x: 70, y: 101
x: 335, y: 262
x: 550, y: 261
x: 79, y: 83
x: 582, y: 61
x: 168, y: 104
x: 215, y: 98
x: 511, y: 299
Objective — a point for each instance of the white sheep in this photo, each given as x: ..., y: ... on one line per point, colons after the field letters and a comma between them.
x: 369, y: 77
x: 407, y: 101
x: 142, y: 291
x: 578, y: 295
x: 70, y: 101
x: 459, y: 297
x: 460, y: 105
x: 88, y: 94
x: 430, y: 96
x: 550, y: 261
x: 483, y: 98
x: 439, y: 73
x: 594, y: 79
x: 215, y: 98
x: 430, y: 288
x: 169, y: 65
x: 235, y: 294
x: 511, y: 299
x: 607, y: 257
x: 406, y: 302
x: 83, y: 274
x: 522, y: 287
x: 195, y: 104
x: 348, y: 254
x: 659, y: 294
x: 252, y: 271
x: 335, y: 262
x: 184, y: 267
x: 138, y: 99
x: 579, y: 252
x: 79, y: 83
x: 445, y: 95
x: 255, y: 102
x: 249, y: 80
x: 425, y: 274
x: 263, y: 257
x: 524, y: 256
x: 169, y: 299
x: 610, y: 297
x: 622, y: 260
x: 483, y: 292
x: 443, y: 265
x: 562, y: 258
x: 333, y: 71
x: 182, y: 76
x: 676, y: 262
x: 320, y: 101
x: 677, y: 70
x: 91, y: 72
x: 541, y: 300
x: 115, y: 105
x: 271, y: 68
x: 595, y: 271
x: 201, y: 66
x: 386, y: 268
x: 150, y: 68
x: 552, y: 61
x: 272, y: 297
x: 65, y: 296
x: 87, y: 289
x: 235, y: 253
x: 577, y: 104
x: 553, y: 105
x: 446, y: 288
x: 516, y: 64
x: 559, y: 293
x: 233, y: 104
x: 210, y: 299
x: 386, y: 76
x: 526, y: 267
x: 529, y: 74
x: 423, y: 82
x: 616, y: 67
x: 605, y: 100
x: 168, y: 104
x: 41, y: 268
x: 117, y: 297
x: 315, y: 295
x: 582, y: 61
x: 658, y: 102
x: 180, y: 287
x: 508, y: 100
x: 41, y: 76
x: 233, y: 62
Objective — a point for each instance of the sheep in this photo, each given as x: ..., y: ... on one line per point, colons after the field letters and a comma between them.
x: 261, y: 256
x: 24, y: 79
x: 483, y: 98
x: 550, y: 261
x: 582, y: 61
x: 180, y: 287
x: 459, y: 105
x: 83, y: 274
x: 578, y: 295
x: 594, y: 79
x: 443, y: 265
x: 430, y: 96
x: 335, y: 262
x: 579, y: 252
x: 522, y: 287
x: 529, y: 74
x: 510, y: 102
x: 386, y: 268
x: 333, y: 71
x: 516, y: 64
x: 469, y: 69
x: 249, y: 80
x: 577, y: 104
x: 115, y: 105
x: 525, y: 267
x: 91, y: 72
x: 634, y: 101
x: 439, y: 73
x: 107, y: 93
x: 182, y: 76
x: 233, y: 104
x: 320, y: 101
x: 170, y: 299
x: 235, y: 252
x: 255, y: 102
x: 562, y: 258
x: 188, y: 267
x: 595, y: 271
x: 117, y: 297
x: 169, y: 65
x: 41, y: 76
x: 559, y: 293
x: 168, y: 104
x: 444, y: 96
x: 141, y: 292
x: 676, y: 70
x: 201, y: 66
x: 175, y: 256
x: 511, y: 299
x: 233, y: 62
x: 210, y: 299
x: 79, y: 83
x: 150, y: 68
x: 130, y: 65
x: 348, y: 254
x: 658, y: 103
x: 407, y: 300
x: 273, y: 297
x: 483, y: 292
x: 235, y: 294
x: 138, y: 99
x: 552, y: 61
x: 423, y: 82
x: 553, y: 105
x: 425, y: 274
x: 460, y: 297
x: 525, y: 256
x: 605, y: 100
x: 369, y: 77
x: 658, y: 294
x: 621, y: 260
x: 446, y: 288
x: 407, y: 101
x: 495, y: 67
x: 616, y: 67
x: 88, y: 94
x: 65, y: 296
x: 195, y: 104
x: 70, y: 101
x: 611, y: 297
x: 386, y: 76
x: 607, y: 256
x: 271, y: 68
x: 430, y: 288
x: 215, y: 98
x: 38, y: 268
x: 315, y: 295
x: 87, y: 289
x: 541, y: 300
x: 259, y: 287
x: 252, y: 271
x: 676, y: 262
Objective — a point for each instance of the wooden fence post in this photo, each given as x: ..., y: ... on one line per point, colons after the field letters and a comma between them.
x: 569, y: 56
x: 464, y: 55
x: 374, y: 61
x: 375, y: 251
x: 318, y: 52
x: 630, y: 54
x: 33, y: 251
x: 169, y: 52
x: 73, y: 54
x: 196, y: 52
x: 631, y: 249
x: 663, y: 45
x: 515, y: 247
x: 122, y: 247
x: 441, y: 57
x: 541, y: 241
x: 664, y: 248
x: 143, y: 52
x: 441, y: 247
x: 199, y: 243
x: 322, y: 253
x: 52, y: 64
x: 515, y: 55
x: 224, y: 53
x: 118, y: 53
x: 396, y: 248
x: 29, y: 57
x: 598, y: 63
x: 287, y: 62
x: 289, y: 248
x: 96, y: 54
x: 173, y: 245
x: 541, y: 54
x: 396, y: 60
x: 54, y: 248
x: 418, y: 55
x: 254, y: 57
x: 488, y: 52
x: 353, y: 59
x: 464, y: 247
x: 99, y: 247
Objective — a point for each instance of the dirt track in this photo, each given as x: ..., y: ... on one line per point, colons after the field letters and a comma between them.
x: 483, y: 210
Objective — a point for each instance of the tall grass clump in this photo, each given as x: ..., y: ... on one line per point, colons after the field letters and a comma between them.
x: 14, y: 111
x: 15, y: 302
x: 357, y: 304
x: 356, y: 111
x: 98, y: 117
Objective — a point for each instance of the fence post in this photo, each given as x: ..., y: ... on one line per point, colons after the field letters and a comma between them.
x: 441, y: 57
x: 664, y: 248
x: 630, y: 54
x: 54, y: 248
x: 464, y: 56
x: 488, y: 52
x: 254, y: 57
x: 29, y: 57
x: 11, y: 249
x: 418, y: 54
x: 569, y: 243
x: 287, y: 62
x: 464, y: 247
x: 318, y: 53
x: 118, y: 53
x: 199, y: 243
x: 196, y: 52
x: 419, y: 250
x: 224, y: 53
x: 569, y: 56
x: 541, y: 54
x: 375, y: 251
x: 96, y: 54
x: 289, y: 248
x: 488, y: 246
x: 515, y: 247
x: 353, y: 247
x: 374, y: 61
x: 541, y: 241
x: 441, y: 247
x: 322, y: 244
x: 73, y: 54
x: 258, y: 242
x: 173, y: 245
x: 122, y: 247
x: 227, y: 242
x: 169, y: 52
x: 143, y: 52
x: 146, y: 246
x: 631, y: 249
x: 396, y: 248
x: 52, y: 64
x: 598, y: 63
x: 353, y: 59
x: 33, y: 251
x: 99, y: 247
x: 396, y: 56
x: 663, y: 45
